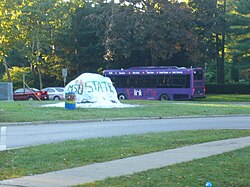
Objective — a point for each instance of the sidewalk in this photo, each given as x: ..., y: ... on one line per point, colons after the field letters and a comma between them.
x: 127, y: 166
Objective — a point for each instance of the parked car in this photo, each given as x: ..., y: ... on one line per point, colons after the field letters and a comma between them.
x: 30, y: 94
x: 55, y: 93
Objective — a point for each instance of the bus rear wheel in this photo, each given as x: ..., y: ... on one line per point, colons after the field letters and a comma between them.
x: 121, y: 97
x: 164, y: 97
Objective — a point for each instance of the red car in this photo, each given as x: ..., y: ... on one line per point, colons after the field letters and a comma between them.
x: 30, y: 94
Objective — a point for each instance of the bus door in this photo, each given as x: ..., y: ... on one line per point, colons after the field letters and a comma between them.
x: 135, y: 91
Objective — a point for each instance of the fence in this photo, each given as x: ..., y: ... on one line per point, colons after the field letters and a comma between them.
x: 6, y: 91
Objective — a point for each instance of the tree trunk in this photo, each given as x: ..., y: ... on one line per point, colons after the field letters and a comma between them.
x: 220, y: 59
x: 222, y: 78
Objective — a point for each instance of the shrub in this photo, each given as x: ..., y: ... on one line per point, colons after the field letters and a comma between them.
x: 228, y: 88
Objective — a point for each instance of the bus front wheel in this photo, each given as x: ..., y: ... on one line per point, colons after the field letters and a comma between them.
x: 121, y: 97
x: 164, y: 97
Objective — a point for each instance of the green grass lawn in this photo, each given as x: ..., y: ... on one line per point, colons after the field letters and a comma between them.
x: 227, y: 98
x: 229, y: 169
x: 69, y: 154
x: 24, y: 111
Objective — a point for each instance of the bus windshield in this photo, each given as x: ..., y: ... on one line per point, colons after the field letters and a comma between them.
x: 198, y: 74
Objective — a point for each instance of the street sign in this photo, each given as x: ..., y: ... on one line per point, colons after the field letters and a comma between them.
x: 64, y: 72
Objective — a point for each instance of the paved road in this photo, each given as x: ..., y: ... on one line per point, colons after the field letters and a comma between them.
x: 26, y: 135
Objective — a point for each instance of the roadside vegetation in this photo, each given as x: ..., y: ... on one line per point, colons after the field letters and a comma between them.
x: 69, y: 154
x: 26, y: 111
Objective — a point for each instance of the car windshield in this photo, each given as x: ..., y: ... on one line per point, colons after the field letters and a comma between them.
x: 19, y: 90
x: 34, y: 90
x: 60, y: 89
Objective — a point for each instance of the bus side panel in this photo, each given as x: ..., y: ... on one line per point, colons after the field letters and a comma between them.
x: 154, y: 94
x: 138, y: 93
x: 175, y: 93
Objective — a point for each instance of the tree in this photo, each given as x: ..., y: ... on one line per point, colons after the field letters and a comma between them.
x: 10, y: 33
x: 151, y: 30
x: 210, y: 25
x: 239, y: 40
x: 41, y: 22
x: 82, y: 44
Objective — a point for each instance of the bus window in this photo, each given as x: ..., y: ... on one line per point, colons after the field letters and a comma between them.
x: 145, y: 81
x: 134, y: 81
x: 120, y: 82
x: 181, y: 81
x: 198, y: 75
x: 149, y: 81
x: 164, y: 81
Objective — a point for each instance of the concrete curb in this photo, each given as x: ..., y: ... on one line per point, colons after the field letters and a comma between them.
x: 114, y: 119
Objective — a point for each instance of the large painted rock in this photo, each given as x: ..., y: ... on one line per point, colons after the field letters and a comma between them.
x: 92, y: 88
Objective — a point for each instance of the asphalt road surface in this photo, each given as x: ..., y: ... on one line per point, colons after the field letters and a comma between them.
x: 27, y: 135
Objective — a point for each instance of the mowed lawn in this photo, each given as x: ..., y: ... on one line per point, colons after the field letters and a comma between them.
x: 228, y: 169
x: 29, y: 111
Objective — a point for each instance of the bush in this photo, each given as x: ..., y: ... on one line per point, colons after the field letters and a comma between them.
x: 228, y: 88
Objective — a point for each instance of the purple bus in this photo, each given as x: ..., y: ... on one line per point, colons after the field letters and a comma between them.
x: 158, y: 83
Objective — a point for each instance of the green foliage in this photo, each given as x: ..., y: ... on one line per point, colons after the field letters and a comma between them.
x: 239, y: 38
x: 210, y: 25
x: 84, y: 36
x: 17, y: 77
x: 147, y: 35
x: 235, y: 72
x: 210, y: 72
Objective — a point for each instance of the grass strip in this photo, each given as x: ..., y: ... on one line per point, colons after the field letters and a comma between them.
x: 23, y: 111
x: 224, y: 170
x: 69, y: 154
x: 227, y: 98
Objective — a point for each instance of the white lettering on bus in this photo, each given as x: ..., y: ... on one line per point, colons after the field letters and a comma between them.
x: 177, y: 72
x: 150, y: 72
x: 135, y: 72
x: 137, y: 92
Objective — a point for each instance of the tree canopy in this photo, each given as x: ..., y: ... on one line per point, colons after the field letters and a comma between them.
x: 88, y: 36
